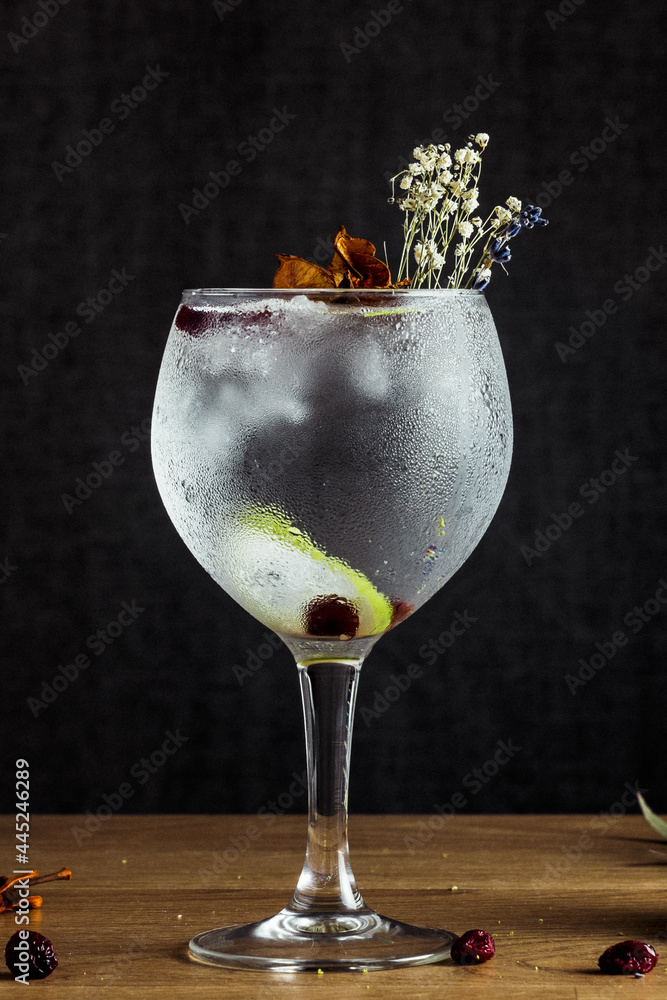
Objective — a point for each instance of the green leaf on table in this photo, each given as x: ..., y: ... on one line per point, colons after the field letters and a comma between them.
x: 659, y: 825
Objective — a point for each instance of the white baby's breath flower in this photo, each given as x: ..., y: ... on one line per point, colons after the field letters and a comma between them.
x: 427, y: 195
x: 440, y: 199
x: 467, y: 155
x: 470, y: 200
x: 426, y: 155
x: 427, y: 256
x: 423, y: 250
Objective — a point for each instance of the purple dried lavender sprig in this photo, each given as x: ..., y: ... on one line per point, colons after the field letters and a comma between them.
x: 532, y: 216
x: 480, y: 283
x: 527, y: 218
x: 498, y: 252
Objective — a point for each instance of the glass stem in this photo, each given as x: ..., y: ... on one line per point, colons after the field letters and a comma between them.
x: 328, y: 690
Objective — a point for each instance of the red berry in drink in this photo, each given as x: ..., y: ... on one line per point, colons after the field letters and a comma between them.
x: 331, y: 617
x: 35, y: 951
x: 400, y: 611
x: 195, y: 321
x: 473, y: 948
x: 627, y: 958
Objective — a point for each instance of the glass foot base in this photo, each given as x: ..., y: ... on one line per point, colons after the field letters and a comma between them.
x: 349, y: 941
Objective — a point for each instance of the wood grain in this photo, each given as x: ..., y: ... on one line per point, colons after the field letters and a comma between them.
x: 554, y: 891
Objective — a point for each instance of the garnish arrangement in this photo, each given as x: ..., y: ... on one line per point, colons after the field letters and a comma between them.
x: 28, y: 954
x: 441, y: 195
x: 10, y: 898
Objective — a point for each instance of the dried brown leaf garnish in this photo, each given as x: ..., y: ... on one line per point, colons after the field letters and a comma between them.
x: 354, y: 265
x: 9, y: 894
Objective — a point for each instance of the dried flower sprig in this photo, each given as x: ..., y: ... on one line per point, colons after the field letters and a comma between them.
x: 354, y: 265
x: 10, y: 897
x: 442, y: 192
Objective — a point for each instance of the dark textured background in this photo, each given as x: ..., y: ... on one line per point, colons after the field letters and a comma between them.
x: 66, y: 575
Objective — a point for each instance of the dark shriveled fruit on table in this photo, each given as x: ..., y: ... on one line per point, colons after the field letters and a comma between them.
x: 628, y: 958
x: 473, y: 948
x: 35, y: 951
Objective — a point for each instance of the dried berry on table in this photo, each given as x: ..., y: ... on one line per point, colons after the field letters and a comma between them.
x: 473, y: 948
x: 628, y: 958
x: 32, y: 955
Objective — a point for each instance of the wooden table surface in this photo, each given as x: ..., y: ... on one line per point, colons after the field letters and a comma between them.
x: 554, y: 891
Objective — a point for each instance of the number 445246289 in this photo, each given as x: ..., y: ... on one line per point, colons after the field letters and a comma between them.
x: 22, y: 811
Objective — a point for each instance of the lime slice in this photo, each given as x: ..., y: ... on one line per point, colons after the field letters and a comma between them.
x: 280, y: 575
x: 393, y: 311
